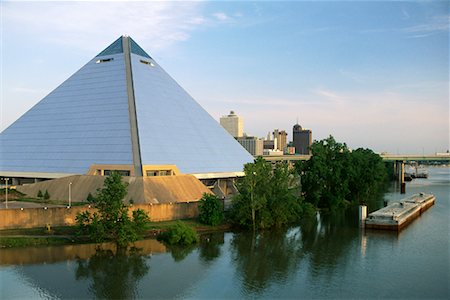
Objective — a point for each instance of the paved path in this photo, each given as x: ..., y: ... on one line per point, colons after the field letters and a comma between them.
x: 22, y: 204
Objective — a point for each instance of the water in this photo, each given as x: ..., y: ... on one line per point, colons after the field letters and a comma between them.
x: 327, y: 257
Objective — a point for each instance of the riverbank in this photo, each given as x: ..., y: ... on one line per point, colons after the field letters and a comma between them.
x: 65, y: 235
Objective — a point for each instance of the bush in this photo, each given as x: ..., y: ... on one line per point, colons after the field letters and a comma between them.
x: 180, y: 234
x: 46, y: 195
x: 90, y: 198
x: 39, y: 194
x: 211, y: 210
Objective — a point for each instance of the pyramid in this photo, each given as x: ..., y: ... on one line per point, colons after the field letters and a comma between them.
x: 120, y: 110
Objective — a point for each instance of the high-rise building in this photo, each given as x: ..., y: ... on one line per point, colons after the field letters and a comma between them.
x: 302, y: 139
x: 281, y: 137
x: 252, y: 144
x: 233, y: 124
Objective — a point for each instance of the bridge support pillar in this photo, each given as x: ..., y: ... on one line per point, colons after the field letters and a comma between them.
x: 400, y: 172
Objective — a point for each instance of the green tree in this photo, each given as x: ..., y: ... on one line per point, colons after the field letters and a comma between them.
x: 325, y: 176
x: 267, y: 196
x: 112, y: 221
x: 368, y: 175
x: 39, y: 194
x: 46, y: 195
x: 210, y: 210
x: 334, y: 176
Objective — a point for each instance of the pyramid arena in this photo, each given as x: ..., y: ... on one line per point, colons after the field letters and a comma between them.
x: 121, y: 112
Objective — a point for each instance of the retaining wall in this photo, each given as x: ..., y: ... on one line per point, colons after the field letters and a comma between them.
x: 62, y: 216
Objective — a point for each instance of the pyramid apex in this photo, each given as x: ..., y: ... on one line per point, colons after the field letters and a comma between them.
x: 117, y: 47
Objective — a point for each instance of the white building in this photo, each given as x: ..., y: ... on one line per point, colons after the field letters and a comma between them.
x: 233, y: 124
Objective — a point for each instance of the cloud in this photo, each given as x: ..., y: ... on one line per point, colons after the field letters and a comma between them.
x: 221, y: 16
x: 87, y: 25
x: 435, y: 25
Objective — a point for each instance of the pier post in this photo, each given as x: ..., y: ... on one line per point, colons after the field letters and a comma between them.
x: 400, y: 168
x: 362, y: 215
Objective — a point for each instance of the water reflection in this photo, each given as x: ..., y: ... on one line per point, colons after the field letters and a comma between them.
x: 210, y: 246
x: 266, y: 257
x: 114, y: 275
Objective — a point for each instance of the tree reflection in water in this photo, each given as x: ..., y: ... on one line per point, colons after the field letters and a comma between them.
x: 113, y: 275
x: 210, y: 245
x: 266, y: 257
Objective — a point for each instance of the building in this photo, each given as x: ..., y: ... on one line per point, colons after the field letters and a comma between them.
x: 121, y: 111
x: 252, y: 144
x: 233, y: 124
x: 302, y: 139
x: 270, y: 143
x: 281, y: 138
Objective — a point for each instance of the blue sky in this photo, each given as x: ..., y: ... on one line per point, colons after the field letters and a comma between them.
x: 373, y: 74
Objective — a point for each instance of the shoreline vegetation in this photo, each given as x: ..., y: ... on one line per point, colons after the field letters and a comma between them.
x: 269, y: 196
x: 66, y: 235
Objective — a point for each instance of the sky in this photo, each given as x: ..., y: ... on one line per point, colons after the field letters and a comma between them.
x: 373, y: 74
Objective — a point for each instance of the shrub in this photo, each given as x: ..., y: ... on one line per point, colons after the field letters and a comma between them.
x: 180, y: 234
x: 39, y: 194
x: 90, y: 198
x: 211, y: 210
x: 46, y: 195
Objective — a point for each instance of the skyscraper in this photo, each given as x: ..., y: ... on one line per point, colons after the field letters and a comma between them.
x: 233, y: 124
x: 302, y: 139
x: 281, y: 137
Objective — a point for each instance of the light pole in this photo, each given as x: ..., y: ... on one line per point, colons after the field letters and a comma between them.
x: 70, y: 194
x: 6, y: 193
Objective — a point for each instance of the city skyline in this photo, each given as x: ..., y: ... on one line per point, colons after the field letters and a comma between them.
x: 372, y: 74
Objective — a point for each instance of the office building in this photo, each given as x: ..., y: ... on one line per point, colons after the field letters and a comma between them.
x: 281, y: 138
x: 252, y: 144
x: 233, y: 124
x: 302, y: 139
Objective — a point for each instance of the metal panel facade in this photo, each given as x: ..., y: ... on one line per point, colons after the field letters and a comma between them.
x: 82, y: 122
x: 174, y: 129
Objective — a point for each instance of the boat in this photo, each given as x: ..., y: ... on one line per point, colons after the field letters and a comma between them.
x: 398, y: 214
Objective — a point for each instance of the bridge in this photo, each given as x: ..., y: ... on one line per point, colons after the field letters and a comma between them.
x: 385, y: 157
x: 399, y: 161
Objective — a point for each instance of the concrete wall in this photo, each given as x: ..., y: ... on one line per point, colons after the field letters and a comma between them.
x: 62, y: 216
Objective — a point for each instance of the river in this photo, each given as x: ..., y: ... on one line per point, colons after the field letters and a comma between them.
x: 326, y: 257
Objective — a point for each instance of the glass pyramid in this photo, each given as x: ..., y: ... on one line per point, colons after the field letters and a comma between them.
x: 113, y: 107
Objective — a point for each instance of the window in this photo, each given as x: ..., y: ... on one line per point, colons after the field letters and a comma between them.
x: 121, y: 172
x: 147, y: 63
x: 104, y: 60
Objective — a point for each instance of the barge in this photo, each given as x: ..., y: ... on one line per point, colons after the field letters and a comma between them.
x: 398, y: 214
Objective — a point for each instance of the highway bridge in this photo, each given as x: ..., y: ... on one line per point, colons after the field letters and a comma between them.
x: 386, y: 157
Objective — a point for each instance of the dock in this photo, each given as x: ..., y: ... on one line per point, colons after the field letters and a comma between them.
x: 398, y: 214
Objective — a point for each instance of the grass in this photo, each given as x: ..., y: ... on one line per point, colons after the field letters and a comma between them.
x: 61, y: 235
x: 12, y: 242
x: 54, y: 202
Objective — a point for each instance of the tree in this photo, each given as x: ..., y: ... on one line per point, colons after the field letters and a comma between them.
x: 369, y: 175
x: 210, y: 210
x: 324, y: 177
x: 39, y: 194
x: 334, y: 176
x: 112, y: 221
x: 46, y: 195
x: 267, y: 197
